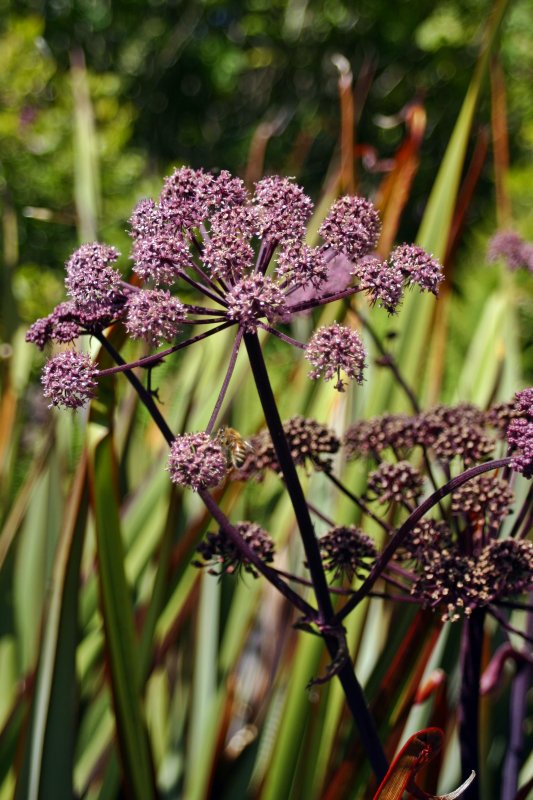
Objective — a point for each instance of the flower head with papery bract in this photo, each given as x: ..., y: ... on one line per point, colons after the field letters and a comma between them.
x: 69, y: 379
x: 197, y: 461
x: 253, y: 298
x: 352, y: 226
x: 221, y: 555
x: 347, y: 552
x: 333, y: 348
x: 154, y: 315
x: 417, y: 266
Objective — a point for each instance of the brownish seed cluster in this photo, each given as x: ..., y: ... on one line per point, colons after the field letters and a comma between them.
x: 400, y: 482
x: 371, y: 437
x: 309, y: 442
x: 463, y: 583
x: 347, y: 552
x: 221, y: 555
x: 483, y: 498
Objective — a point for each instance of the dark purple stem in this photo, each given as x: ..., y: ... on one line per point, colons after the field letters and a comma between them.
x: 202, y: 310
x: 144, y: 395
x: 306, y: 305
x: 266, y: 252
x: 225, y: 384
x: 358, y: 502
x: 517, y: 716
x: 353, y: 692
x: 268, y: 572
x: 217, y: 298
x: 404, y: 530
x: 390, y: 361
x: 471, y: 651
x: 282, y: 336
x: 156, y: 357
x: 507, y: 625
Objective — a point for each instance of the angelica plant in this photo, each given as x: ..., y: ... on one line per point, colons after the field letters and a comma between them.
x: 207, y: 257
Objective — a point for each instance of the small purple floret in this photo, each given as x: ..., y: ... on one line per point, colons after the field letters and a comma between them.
x: 510, y: 247
x: 161, y: 258
x: 520, y: 439
x: 186, y: 197
x: 155, y: 315
x: 381, y: 281
x: 253, y: 298
x: 417, y: 266
x: 524, y: 402
x: 69, y: 379
x: 334, y: 348
x: 196, y: 461
x: 94, y: 286
x: 283, y: 209
x: 352, y: 226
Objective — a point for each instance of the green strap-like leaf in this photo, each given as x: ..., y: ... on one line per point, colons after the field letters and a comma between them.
x: 117, y: 612
x: 49, y: 753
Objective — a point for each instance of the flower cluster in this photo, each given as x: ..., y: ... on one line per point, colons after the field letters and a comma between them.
x: 462, y: 583
x: 196, y: 461
x: 461, y: 431
x: 205, y: 233
x: 221, y: 555
x: 400, y: 482
x: 520, y: 434
x: 69, y: 379
x: 309, y: 441
x: 483, y: 498
x: 461, y: 559
x: 335, y: 348
x: 511, y: 248
x: 347, y: 552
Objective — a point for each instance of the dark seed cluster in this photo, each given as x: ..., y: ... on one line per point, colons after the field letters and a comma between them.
x: 373, y: 436
x: 462, y: 583
x: 395, y: 483
x: 484, y: 498
x: 347, y: 552
x: 309, y: 443
x: 220, y: 555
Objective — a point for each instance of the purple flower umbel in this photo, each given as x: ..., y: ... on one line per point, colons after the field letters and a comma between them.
x: 197, y: 461
x: 246, y: 259
x: 69, y: 379
x: 333, y: 349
